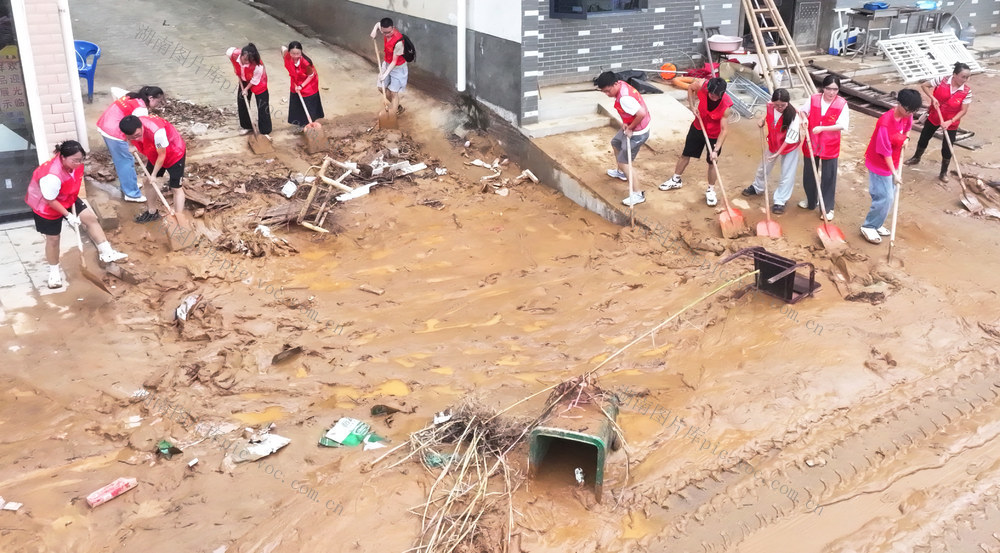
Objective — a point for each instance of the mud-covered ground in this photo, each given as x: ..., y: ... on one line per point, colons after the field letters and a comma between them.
x: 827, y: 425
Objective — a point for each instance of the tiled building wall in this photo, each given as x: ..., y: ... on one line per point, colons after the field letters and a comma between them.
x: 54, y: 93
x: 577, y: 50
x: 530, y: 56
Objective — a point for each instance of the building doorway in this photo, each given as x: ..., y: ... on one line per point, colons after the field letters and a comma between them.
x: 18, y: 157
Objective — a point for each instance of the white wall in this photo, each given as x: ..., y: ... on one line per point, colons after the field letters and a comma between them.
x: 500, y: 18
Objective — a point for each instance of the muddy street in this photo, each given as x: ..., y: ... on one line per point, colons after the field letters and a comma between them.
x: 454, y: 314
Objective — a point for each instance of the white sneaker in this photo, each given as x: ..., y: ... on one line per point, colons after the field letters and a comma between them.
x: 882, y: 231
x: 55, y: 280
x: 710, y: 198
x: 112, y: 256
x: 245, y: 132
x: 617, y: 174
x: 138, y: 200
x: 635, y: 198
x: 673, y: 183
x: 804, y: 204
x: 829, y: 215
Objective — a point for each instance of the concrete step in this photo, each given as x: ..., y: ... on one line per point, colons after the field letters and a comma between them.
x: 567, y: 124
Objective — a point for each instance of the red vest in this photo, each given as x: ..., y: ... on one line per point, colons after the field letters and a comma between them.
x: 67, y: 193
x: 951, y: 104
x: 147, y: 146
x: 246, y: 73
x: 897, y: 135
x: 776, y: 136
x: 712, y: 119
x: 827, y: 144
x: 108, y: 122
x: 390, y: 44
x: 627, y: 90
x: 299, y: 74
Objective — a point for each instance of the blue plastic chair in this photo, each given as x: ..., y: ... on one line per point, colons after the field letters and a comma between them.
x: 87, y: 54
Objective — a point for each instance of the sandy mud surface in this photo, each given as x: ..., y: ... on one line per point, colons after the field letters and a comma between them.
x: 863, y: 419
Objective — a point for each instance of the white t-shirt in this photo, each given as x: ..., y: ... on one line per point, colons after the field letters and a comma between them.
x: 631, y: 106
x: 50, y: 185
x: 160, y: 138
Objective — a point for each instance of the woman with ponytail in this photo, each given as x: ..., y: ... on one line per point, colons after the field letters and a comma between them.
x: 304, y: 81
x: 133, y: 103
x: 951, y: 95
x: 53, y: 195
x: 253, y: 82
x: 782, y: 122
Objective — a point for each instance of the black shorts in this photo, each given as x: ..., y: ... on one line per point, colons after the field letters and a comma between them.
x: 694, y: 144
x: 176, y: 171
x: 53, y: 227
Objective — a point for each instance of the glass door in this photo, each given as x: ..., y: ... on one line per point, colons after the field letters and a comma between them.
x: 17, y: 144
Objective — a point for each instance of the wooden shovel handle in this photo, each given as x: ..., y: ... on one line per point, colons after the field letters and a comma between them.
x: 155, y: 188
x: 308, y: 117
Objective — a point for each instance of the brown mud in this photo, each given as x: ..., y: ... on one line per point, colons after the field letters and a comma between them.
x: 827, y: 425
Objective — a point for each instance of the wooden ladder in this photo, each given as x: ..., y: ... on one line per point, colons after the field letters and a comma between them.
x: 765, y: 22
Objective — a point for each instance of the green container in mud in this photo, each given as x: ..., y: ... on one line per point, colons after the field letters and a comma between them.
x: 584, y: 424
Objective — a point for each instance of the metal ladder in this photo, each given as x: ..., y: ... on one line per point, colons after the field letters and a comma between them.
x: 764, y: 20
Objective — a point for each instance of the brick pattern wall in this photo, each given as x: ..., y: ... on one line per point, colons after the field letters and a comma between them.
x: 54, y: 93
x: 576, y: 50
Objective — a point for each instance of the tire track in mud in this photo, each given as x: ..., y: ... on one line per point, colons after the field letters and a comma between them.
x: 855, y: 454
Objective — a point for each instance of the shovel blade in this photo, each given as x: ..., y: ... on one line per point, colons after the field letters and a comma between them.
x: 315, y: 138
x: 971, y: 203
x: 386, y: 120
x: 732, y: 223
x: 770, y: 229
x: 94, y: 279
x: 831, y: 236
x: 259, y: 145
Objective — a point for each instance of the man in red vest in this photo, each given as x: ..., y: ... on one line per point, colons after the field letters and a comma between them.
x: 394, y: 71
x: 164, y: 149
x: 709, y: 100
x: 635, y: 128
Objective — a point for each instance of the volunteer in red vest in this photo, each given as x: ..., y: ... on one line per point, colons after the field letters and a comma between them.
x: 53, y: 194
x: 304, y: 81
x: 782, y: 122
x: 635, y: 128
x: 164, y: 149
x: 952, y: 95
x: 132, y: 103
x: 882, y: 160
x: 826, y: 116
x: 394, y: 71
x: 713, y: 106
x: 253, y: 82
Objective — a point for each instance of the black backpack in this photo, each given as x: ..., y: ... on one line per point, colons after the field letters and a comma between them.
x: 409, y: 51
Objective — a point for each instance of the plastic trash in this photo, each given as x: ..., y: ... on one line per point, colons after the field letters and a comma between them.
x: 350, y: 432
x: 111, y: 491
x: 186, y: 306
x: 578, y: 473
x: 167, y: 449
x: 288, y: 190
x: 267, y: 445
x: 11, y: 505
x: 435, y: 460
x: 442, y: 417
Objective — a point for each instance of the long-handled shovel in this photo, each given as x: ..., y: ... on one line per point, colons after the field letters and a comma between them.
x: 176, y: 243
x: 731, y: 220
x: 895, y: 204
x: 768, y: 227
x: 258, y: 143
x: 628, y: 154
x: 386, y: 117
x: 968, y: 200
x: 315, y: 139
x: 830, y: 235
x: 87, y: 274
